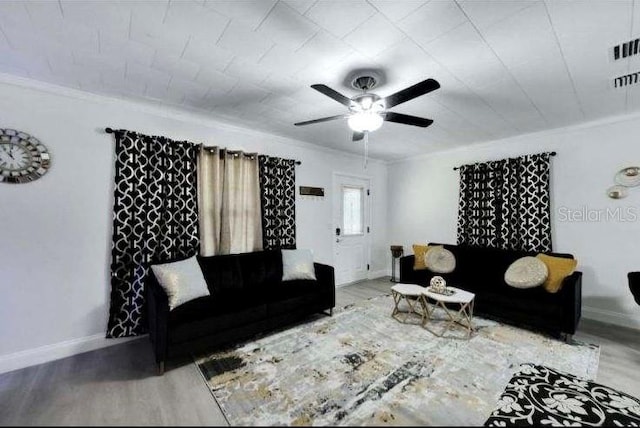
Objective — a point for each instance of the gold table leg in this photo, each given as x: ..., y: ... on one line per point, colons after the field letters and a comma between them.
x: 465, y: 313
x: 412, y: 302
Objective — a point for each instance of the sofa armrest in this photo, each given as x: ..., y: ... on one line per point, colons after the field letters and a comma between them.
x: 406, y: 269
x: 158, y: 316
x: 325, y: 275
x: 634, y: 285
x: 571, y: 295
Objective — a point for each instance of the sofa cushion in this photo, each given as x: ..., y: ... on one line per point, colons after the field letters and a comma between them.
x: 295, y: 287
x: 297, y: 264
x: 479, y: 269
x: 261, y: 269
x: 222, y: 273
x: 420, y: 251
x: 526, y: 272
x: 530, y: 307
x: 208, y: 316
x: 182, y: 281
x: 440, y: 260
x: 289, y: 294
x: 559, y: 269
x: 217, y: 304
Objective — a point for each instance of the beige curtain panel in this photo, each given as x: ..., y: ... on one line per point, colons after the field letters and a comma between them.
x: 229, y: 202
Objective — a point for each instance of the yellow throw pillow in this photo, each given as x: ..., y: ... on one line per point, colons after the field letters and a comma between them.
x: 559, y: 269
x: 419, y: 251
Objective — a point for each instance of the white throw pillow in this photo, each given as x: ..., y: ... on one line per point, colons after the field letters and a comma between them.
x: 440, y: 260
x: 526, y: 272
x: 297, y: 264
x: 182, y: 281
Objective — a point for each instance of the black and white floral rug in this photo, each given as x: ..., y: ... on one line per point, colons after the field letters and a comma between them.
x: 540, y: 396
x: 362, y: 367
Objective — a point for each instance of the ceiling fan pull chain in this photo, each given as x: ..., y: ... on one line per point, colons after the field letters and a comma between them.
x: 366, y: 149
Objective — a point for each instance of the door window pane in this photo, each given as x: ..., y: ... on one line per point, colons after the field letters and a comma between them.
x: 352, y: 212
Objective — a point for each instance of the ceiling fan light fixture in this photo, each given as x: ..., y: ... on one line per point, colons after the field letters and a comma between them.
x: 365, y: 121
x: 367, y: 102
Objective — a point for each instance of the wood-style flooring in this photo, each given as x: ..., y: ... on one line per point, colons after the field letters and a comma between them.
x: 119, y: 386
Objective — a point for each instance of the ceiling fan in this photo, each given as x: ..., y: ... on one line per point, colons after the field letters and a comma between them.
x: 367, y: 111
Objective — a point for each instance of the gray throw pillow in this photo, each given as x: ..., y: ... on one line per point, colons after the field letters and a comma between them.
x: 440, y: 260
x: 297, y: 264
x: 526, y: 272
x: 182, y: 281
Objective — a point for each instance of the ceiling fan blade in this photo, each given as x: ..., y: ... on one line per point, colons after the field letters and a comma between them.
x: 411, y: 92
x: 324, y: 89
x: 407, y: 119
x: 357, y: 136
x: 323, y: 119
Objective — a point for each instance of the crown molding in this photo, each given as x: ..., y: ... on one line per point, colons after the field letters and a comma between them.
x: 609, y: 120
x: 207, y: 119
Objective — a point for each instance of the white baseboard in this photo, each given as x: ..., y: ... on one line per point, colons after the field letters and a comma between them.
x: 610, y: 317
x: 378, y: 274
x: 371, y: 275
x: 56, y: 351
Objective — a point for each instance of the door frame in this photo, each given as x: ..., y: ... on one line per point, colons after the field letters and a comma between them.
x: 368, y: 215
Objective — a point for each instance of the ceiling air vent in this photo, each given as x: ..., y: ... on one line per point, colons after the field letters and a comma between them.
x: 626, y: 49
x: 626, y: 80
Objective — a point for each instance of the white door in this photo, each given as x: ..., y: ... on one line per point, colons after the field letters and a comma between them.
x: 351, y: 228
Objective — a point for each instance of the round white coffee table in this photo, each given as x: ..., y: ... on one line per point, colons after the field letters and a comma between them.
x: 461, y: 299
x: 412, y: 294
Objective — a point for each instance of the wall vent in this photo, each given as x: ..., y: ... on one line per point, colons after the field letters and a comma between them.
x: 626, y: 80
x: 626, y: 49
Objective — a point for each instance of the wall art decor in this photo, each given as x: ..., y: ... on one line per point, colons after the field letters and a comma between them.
x: 23, y: 158
x: 311, y: 191
x: 624, y: 179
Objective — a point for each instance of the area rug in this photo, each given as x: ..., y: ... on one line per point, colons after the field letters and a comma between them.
x: 541, y: 396
x: 362, y: 367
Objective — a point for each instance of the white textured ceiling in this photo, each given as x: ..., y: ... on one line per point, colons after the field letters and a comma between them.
x: 505, y: 67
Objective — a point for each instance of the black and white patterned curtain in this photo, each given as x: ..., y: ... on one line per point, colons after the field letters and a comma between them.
x: 155, y: 219
x: 506, y: 204
x: 278, y: 202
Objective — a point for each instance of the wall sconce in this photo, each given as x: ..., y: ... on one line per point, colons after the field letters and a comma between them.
x: 624, y: 179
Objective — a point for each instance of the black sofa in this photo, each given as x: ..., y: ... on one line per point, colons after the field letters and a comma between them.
x: 634, y: 285
x: 247, y: 297
x: 481, y: 271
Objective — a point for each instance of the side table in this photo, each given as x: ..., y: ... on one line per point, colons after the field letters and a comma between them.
x: 460, y: 298
x: 412, y: 294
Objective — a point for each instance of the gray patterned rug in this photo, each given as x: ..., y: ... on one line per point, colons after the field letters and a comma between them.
x: 362, y: 367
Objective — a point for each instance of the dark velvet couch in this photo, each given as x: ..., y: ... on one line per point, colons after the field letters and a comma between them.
x: 247, y: 297
x: 634, y: 285
x: 481, y: 271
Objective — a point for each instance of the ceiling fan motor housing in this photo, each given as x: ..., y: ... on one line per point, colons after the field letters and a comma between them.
x: 364, y: 83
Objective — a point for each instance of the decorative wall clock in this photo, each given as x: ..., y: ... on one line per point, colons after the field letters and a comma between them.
x: 23, y: 158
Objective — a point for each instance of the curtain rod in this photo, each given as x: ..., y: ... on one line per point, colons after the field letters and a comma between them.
x: 455, y: 168
x: 111, y: 131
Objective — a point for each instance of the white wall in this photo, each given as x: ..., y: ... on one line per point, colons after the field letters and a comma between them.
x: 423, y: 197
x: 56, y: 231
